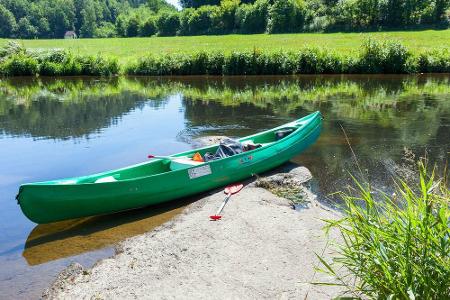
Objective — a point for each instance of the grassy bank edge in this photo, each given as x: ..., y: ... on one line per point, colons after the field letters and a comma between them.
x: 373, y: 57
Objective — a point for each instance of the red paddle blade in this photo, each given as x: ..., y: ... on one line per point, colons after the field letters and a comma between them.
x: 215, y: 217
x: 234, y: 188
x: 151, y: 156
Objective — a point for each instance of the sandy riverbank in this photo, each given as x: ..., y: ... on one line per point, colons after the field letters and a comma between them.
x: 261, y: 248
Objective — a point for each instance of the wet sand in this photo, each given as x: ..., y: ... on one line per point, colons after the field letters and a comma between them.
x: 262, y: 248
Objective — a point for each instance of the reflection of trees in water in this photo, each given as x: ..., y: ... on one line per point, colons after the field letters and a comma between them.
x: 66, y: 109
x: 404, y: 108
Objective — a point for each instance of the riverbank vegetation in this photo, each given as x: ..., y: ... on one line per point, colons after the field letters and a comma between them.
x: 376, y: 57
x: 395, y: 246
x: 28, y: 19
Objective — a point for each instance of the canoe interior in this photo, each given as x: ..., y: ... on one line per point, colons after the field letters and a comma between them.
x: 172, y: 163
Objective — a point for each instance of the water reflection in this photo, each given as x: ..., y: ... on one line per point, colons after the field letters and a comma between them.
x: 58, y: 240
x: 55, y: 128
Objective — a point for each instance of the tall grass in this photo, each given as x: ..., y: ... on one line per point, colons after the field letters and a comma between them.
x: 18, y: 61
x: 382, y: 57
x: 396, y: 247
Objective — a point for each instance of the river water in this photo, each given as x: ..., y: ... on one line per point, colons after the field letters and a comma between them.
x: 55, y: 128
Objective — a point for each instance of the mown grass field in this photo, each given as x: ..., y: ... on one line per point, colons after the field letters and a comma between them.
x: 128, y: 48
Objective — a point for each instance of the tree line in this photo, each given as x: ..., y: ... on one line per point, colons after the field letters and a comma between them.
x: 129, y: 18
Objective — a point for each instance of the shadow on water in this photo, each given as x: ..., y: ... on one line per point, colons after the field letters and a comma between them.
x: 48, y: 242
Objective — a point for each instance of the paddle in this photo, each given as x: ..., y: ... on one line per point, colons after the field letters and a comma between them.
x: 159, y: 157
x: 229, y: 190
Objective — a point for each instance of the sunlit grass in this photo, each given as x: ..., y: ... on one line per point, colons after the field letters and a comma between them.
x: 396, y: 246
x: 128, y: 48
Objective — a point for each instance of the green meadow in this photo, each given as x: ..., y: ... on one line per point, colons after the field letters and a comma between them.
x: 128, y: 48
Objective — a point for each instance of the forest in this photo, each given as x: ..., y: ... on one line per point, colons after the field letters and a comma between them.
x: 51, y: 19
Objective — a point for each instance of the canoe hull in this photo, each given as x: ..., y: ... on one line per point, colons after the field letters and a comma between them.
x: 45, y: 203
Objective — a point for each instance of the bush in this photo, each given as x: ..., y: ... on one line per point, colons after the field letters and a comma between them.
x: 396, y: 247
x: 384, y: 57
x: 316, y: 61
x: 286, y: 16
x: 105, y: 30
x: 20, y: 65
x: 168, y: 24
x: 148, y: 27
x: 253, y: 17
x: 97, y: 65
x: 197, y: 21
x: 434, y: 62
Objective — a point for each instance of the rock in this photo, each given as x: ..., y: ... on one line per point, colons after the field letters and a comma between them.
x: 288, y: 182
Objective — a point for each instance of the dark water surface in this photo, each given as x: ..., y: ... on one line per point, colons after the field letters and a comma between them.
x: 69, y: 127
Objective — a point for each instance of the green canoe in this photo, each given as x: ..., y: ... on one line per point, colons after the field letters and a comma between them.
x: 163, y: 179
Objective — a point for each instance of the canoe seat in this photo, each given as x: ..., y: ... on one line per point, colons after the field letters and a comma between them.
x: 183, y: 163
x: 106, y: 179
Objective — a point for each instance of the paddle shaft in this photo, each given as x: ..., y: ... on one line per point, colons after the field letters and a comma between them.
x: 225, y: 201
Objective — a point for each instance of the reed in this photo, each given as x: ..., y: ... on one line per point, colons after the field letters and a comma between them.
x: 395, y: 246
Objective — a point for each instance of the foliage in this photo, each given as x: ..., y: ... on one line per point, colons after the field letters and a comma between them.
x: 383, y: 57
x: 105, y: 30
x: 252, y: 18
x: 167, y: 23
x: 286, y: 16
x: 148, y: 28
x: 378, y: 57
x: 434, y: 62
x: 19, y: 64
x: 396, y: 247
x: 17, y: 61
x: 93, y: 18
x: 89, y: 18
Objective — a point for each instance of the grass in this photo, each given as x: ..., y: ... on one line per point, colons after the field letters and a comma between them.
x: 396, y: 246
x: 127, y: 49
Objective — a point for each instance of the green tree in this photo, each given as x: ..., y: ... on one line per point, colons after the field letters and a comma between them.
x: 7, y: 22
x: 253, y: 17
x: 286, y: 16
x: 133, y: 26
x: 25, y: 29
x: 148, y: 28
x: 89, y: 22
x: 105, y: 30
x: 168, y: 23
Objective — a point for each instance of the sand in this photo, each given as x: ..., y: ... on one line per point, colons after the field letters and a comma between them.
x: 262, y: 248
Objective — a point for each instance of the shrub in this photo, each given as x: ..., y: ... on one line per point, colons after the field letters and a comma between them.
x: 253, y: 17
x: 20, y: 65
x: 148, y: 27
x: 396, y: 247
x: 197, y: 21
x: 105, y: 30
x: 97, y: 65
x: 168, y: 24
x: 383, y: 57
x: 286, y: 16
x: 434, y: 62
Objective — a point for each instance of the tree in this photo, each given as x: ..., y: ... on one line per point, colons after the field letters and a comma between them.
x: 286, y: 16
x: 148, y: 28
x: 133, y: 26
x: 25, y: 29
x: 105, y: 30
x: 89, y: 22
x: 168, y: 23
x: 7, y: 22
x: 253, y: 17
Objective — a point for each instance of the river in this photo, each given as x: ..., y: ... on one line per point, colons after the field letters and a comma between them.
x: 54, y: 128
